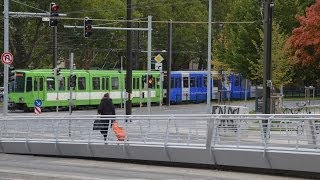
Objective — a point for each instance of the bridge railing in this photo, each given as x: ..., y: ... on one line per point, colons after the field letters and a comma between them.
x: 298, y: 133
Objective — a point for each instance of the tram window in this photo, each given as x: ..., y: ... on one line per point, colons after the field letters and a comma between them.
x: 35, y: 84
x: 205, y: 81
x: 18, y: 84
x: 198, y: 80
x: 50, y: 84
x: 108, y: 83
x: 103, y: 83
x: 62, y: 86
x: 178, y: 82
x: 192, y: 82
x: 134, y: 83
x: 237, y: 80
x: 96, y: 83
x: 185, y: 82
x: 158, y: 82
x: 172, y: 83
x: 41, y: 84
x: 81, y: 83
x: 29, y: 84
x: 68, y: 81
x: 115, y: 83
x: 215, y: 81
x: 138, y: 83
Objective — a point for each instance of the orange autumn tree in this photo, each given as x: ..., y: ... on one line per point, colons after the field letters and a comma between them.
x: 304, y: 43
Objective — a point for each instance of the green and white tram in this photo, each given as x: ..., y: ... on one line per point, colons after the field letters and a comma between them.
x: 30, y: 85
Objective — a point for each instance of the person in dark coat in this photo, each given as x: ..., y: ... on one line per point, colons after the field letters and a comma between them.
x: 106, y: 107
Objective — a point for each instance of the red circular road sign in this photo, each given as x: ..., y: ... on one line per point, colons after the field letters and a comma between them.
x: 7, y: 58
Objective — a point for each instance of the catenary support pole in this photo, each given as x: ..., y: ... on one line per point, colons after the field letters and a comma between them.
x: 267, y: 56
x: 169, y: 56
x: 129, y: 60
x: 5, y: 49
x: 209, y: 59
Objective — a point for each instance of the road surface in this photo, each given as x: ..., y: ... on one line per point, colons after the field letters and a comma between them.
x: 44, y: 168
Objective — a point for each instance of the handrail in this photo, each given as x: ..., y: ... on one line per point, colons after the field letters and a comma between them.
x: 283, y: 132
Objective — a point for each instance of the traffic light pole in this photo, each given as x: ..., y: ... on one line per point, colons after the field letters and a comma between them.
x: 6, y: 49
x: 54, y: 61
x: 149, y: 61
x: 54, y: 46
x: 6, y: 14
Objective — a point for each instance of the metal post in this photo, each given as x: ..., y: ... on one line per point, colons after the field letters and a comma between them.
x: 138, y: 49
x: 71, y: 88
x: 267, y: 64
x: 129, y: 59
x: 209, y: 59
x: 267, y: 56
x: 169, y: 56
x: 149, y: 60
x: 121, y: 84
x: 161, y: 87
x: 54, y: 46
x: 5, y: 48
x: 54, y: 61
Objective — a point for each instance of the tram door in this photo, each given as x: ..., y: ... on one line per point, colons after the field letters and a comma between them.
x: 38, y: 87
x: 185, y: 87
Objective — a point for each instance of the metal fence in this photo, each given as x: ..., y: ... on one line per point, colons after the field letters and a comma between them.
x: 298, y: 133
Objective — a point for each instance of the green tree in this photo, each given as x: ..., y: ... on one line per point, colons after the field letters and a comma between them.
x: 237, y: 46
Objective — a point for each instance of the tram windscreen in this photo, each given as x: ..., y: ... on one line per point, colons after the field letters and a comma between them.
x: 18, y: 84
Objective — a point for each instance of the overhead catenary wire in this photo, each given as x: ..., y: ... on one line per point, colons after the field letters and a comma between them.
x: 159, y: 21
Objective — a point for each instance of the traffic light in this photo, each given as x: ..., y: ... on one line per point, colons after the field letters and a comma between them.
x: 87, y: 27
x: 11, y: 74
x: 150, y: 81
x: 53, y: 14
x: 72, y: 81
x: 58, y: 71
x: 54, y: 71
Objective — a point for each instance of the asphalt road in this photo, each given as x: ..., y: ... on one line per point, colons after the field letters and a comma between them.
x: 44, y: 168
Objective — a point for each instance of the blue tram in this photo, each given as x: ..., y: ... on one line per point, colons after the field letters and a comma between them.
x: 192, y: 86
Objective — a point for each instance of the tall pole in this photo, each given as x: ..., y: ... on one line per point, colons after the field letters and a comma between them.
x: 129, y: 59
x: 54, y: 46
x: 54, y: 61
x: 121, y: 85
x: 267, y: 56
x: 71, y: 88
x: 209, y: 59
x: 6, y: 49
x: 169, y: 56
x: 149, y: 60
x: 138, y: 48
